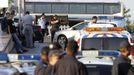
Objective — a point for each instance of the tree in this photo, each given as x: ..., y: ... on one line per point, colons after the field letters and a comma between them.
x: 126, y: 15
x: 10, y: 1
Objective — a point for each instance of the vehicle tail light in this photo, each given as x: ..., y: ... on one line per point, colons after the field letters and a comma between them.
x: 39, y: 29
x: 78, y: 42
x: 131, y: 40
x: 132, y: 50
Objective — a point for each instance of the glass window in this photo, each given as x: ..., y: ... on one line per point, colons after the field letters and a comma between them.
x: 60, y: 8
x: 30, y: 7
x: 41, y: 8
x: 94, y: 8
x: 102, y: 43
x: 77, y: 8
x: 111, y: 8
x: 81, y: 25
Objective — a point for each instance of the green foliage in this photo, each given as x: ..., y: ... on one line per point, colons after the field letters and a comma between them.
x: 126, y: 15
x: 10, y: 1
x: 131, y: 27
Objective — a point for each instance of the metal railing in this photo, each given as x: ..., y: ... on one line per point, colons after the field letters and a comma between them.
x: 61, y: 27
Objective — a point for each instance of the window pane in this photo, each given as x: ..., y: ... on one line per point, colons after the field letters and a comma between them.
x: 94, y: 8
x: 111, y: 8
x: 40, y: 8
x: 30, y: 7
x: 59, y: 8
x: 93, y: 43
x: 81, y: 25
x: 77, y: 8
x: 102, y: 43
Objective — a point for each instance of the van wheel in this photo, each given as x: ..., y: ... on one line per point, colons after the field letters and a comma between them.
x: 62, y: 41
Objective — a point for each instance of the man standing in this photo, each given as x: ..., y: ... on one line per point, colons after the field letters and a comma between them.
x: 43, y: 23
x: 55, y: 25
x: 42, y: 65
x: 28, y: 30
x: 4, y: 25
x: 69, y: 65
x: 122, y: 64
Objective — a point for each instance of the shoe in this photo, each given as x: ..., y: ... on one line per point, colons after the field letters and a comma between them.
x: 19, y: 52
x: 25, y: 51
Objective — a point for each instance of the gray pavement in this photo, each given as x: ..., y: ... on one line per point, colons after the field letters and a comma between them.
x: 37, y: 46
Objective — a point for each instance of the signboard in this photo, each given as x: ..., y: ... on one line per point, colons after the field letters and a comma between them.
x: 3, y: 3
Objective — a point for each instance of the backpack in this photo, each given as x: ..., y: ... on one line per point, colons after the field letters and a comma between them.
x: 4, y: 24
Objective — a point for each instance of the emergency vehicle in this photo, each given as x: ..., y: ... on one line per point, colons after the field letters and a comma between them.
x: 25, y: 64
x: 102, y: 39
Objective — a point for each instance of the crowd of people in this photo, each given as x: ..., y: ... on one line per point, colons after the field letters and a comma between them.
x: 7, y: 25
x: 56, y: 61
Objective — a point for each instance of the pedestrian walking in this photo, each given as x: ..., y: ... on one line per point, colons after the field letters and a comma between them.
x: 43, y: 23
x: 122, y: 64
x: 69, y: 65
x: 55, y: 25
x: 42, y: 65
x: 28, y: 29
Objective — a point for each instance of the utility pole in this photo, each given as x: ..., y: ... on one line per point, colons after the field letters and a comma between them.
x: 19, y: 10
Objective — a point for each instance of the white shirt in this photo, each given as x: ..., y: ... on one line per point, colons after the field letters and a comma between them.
x: 27, y: 19
x: 42, y: 23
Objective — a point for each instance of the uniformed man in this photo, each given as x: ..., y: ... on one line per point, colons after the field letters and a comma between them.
x: 122, y: 64
x: 69, y: 65
x: 28, y: 29
x: 42, y: 65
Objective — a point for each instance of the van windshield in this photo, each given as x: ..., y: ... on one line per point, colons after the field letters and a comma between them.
x: 101, y: 43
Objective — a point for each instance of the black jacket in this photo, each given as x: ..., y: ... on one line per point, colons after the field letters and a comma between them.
x: 69, y: 65
x: 122, y: 66
x: 40, y: 68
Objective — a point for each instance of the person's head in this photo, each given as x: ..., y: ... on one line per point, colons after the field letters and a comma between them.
x: 7, y: 14
x: 54, y: 17
x: 125, y: 48
x: 94, y: 19
x: 72, y: 48
x: 53, y: 56
x: 27, y: 13
x: 44, y: 53
x: 43, y: 15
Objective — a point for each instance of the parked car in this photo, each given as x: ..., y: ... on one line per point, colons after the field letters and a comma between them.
x: 63, y: 36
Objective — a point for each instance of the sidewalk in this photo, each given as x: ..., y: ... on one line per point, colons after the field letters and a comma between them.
x: 6, y: 43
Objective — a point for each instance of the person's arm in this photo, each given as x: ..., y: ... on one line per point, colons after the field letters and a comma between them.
x: 8, y: 28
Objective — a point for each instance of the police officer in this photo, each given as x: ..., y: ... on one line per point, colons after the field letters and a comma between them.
x: 28, y: 29
x: 42, y: 65
x: 69, y: 65
x: 122, y: 64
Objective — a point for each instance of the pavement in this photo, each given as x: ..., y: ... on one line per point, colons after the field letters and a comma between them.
x: 37, y: 47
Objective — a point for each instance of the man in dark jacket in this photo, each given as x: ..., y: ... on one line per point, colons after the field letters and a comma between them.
x: 4, y: 25
x: 53, y: 56
x: 69, y: 65
x: 122, y: 64
x: 42, y: 65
